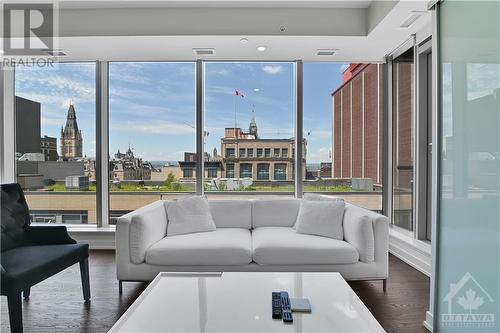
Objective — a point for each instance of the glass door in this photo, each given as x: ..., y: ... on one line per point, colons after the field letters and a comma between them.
x: 403, y: 136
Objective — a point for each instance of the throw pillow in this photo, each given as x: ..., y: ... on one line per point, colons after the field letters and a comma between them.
x: 317, y: 197
x: 321, y: 218
x: 189, y: 215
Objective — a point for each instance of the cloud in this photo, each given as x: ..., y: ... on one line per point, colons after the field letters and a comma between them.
x: 321, y: 154
x: 272, y: 70
x: 157, y: 127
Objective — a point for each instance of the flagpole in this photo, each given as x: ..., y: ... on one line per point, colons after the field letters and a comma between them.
x: 235, y: 101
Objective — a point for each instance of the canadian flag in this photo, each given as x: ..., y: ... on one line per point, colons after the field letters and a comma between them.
x: 238, y: 93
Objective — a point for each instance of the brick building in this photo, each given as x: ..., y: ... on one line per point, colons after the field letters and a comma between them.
x: 357, y: 124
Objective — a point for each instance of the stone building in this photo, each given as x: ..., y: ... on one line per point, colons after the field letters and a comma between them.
x: 246, y: 155
x: 48, y: 146
x: 71, y: 137
x: 125, y: 166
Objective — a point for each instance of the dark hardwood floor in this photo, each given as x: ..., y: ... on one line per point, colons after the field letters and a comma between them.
x: 56, y: 304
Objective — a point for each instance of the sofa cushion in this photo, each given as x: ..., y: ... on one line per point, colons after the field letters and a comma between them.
x: 275, y: 212
x: 189, y: 215
x: 31, y: 264
x: 321, y: 218
x: 148, y: 225
x: 224, y: 246
x: 231, y: 213
x: 283, y: 246
x: 320, y: 197
x: 358, y: 231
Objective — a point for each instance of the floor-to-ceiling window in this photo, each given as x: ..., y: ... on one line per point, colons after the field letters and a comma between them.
x: 56, y: 141
x: 342, y: 120
x: 403, y: 131
x: 249, y: 126
x: 152, y: 133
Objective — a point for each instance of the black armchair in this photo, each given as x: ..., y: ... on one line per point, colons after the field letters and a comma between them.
x: 31, y: 254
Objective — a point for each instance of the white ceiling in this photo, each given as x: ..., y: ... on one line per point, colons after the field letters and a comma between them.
x: 73, y: 4
x: 366, y: 31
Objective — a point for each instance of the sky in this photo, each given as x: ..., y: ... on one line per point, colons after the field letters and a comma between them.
x: 152, y: 105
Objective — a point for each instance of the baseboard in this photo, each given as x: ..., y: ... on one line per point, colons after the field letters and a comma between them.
x: 97, y: 240
x: 414, y: 254
x: 428, y: 321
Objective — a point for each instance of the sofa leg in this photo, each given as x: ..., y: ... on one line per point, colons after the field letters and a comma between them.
x: 120, y: 287
x: 15, y: 312
x: 84, y: 272
x: 26, y: 293
x: 384, y: 285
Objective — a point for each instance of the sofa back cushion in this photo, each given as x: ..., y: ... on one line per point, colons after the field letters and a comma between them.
x: 231, y: 213
x: 275, y: 212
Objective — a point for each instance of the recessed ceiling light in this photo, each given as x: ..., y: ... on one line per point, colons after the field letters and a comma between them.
x: 244, y: 40
x: 204, y: 51
x: 261, y: 48
x: 325, y: 52
x: 256, y: 89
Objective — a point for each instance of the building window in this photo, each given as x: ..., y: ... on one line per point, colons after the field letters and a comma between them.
x: 267, y: 152
x: 187, y: 172
x: 280, y: 171
x: 276, y: 152
x: 250, y: 152
x: 212, y: 172
x: 230, y: 152
x: 263, y: 171
x: 260, y: 152
x: 245, y: 170
x: 284, y: 152
x: 229, y: 170
x: 242, y: 152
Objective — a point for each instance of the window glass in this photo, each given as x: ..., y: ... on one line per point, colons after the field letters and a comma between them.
x: 55, y: 141
x: 342, y: 124
x: 249, y: 115
x: 152, y: 136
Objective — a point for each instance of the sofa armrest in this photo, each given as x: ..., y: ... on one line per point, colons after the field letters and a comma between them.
x: 138, y: 230
x: 48, y: 235
x: 368, y: 232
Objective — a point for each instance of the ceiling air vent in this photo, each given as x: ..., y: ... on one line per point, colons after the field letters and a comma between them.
x: 410, y: 20
x: 203, y: 51
x: 325, y: 52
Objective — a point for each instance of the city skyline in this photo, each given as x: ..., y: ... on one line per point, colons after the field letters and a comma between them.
x: 152, y: 105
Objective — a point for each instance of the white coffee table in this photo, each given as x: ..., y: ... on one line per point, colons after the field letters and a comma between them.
x: 241, y: 302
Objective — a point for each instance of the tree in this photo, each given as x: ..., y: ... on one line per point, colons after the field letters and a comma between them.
x: 169, y: 181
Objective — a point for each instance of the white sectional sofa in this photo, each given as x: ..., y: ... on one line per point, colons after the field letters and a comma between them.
x: 251, y: 235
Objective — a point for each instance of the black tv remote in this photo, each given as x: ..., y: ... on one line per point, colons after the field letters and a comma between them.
x: 286, y: 308
x: 276, y: 305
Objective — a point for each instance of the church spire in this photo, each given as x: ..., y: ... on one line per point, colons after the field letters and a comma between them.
x: 253, y: 125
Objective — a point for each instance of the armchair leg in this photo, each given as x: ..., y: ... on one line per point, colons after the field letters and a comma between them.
x: 384, y: 285
x: 120, y: 287
x: 26, y: 293
x: 15, y: 312
x: 84, y: 272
